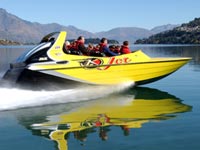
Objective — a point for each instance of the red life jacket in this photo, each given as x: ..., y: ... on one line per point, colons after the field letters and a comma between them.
x: 125, y: 50
x: 76, y: 45
x: 102, y: 45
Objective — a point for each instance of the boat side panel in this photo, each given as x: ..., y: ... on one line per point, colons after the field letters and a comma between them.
x: 120, y: 73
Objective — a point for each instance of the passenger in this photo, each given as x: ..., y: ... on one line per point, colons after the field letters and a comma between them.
x: 96, y: 48
x: 94, y: 51
x: 66, y: 47
x: 104, y: 48
x: 90, y: 47
x: 125, y: 48
x: 73, y: 44
x: 79, y: 47
x: 112, y: 48
x: 117, y: 49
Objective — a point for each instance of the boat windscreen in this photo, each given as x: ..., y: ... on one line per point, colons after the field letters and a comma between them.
x: 48, y: 37
x: 29, y: 53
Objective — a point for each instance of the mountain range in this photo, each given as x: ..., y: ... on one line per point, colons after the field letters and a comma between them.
x: 16, y: 29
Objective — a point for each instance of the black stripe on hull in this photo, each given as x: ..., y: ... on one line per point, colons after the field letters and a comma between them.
x: 151, y: 80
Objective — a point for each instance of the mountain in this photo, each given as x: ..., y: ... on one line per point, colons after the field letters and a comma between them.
x: 133, y: 33
x: 163, y: 28
x: 16, y: 29
x: 125, y: 33
x: 187, y: 33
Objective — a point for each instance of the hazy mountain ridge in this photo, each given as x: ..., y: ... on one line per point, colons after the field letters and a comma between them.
x: 163, y: 28
x: 125, y: 33
x: 16, y: 29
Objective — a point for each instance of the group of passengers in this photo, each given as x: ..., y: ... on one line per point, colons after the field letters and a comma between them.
x: 78, y: 48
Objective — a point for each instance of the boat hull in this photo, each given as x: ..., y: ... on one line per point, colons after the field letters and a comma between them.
x: 139, y: 73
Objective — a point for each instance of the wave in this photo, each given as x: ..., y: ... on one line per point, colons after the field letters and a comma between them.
x: 18, y: 98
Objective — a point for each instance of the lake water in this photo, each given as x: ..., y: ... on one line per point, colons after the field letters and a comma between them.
x: 159, y: 116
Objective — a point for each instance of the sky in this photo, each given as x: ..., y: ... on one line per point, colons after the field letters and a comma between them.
x: 104, y: 15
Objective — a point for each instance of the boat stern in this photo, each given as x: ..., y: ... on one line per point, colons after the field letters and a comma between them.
x: 14, y: 72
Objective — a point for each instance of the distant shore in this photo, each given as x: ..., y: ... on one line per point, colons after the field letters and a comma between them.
x: 87, y: 41
x: 8, y: 42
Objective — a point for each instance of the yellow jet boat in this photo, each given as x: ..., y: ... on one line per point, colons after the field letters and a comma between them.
x: 48, y: 58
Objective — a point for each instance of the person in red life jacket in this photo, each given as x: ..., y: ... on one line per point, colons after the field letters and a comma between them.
x: 96, y: 48
x: 90, y: 47
x: 94, y: 51
x: 117, y: 49
x: 73, y: 45
x: 79, y: 46
x: 104, y: 48
x: 125, y: 48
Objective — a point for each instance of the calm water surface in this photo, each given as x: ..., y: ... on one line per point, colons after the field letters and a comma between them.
x: 159, y: 116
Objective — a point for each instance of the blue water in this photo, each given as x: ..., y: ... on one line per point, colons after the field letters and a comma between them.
x: 174, y: 125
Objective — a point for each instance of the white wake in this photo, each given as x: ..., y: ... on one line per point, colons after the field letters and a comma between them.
x: 18, y: 98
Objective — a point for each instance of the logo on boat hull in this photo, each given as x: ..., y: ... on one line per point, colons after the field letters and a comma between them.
x: 97, y: 63
x: 91, y: 63
x: 115, y: 61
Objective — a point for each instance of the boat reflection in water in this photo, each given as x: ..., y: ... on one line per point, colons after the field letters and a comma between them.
x: 126, y: 110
